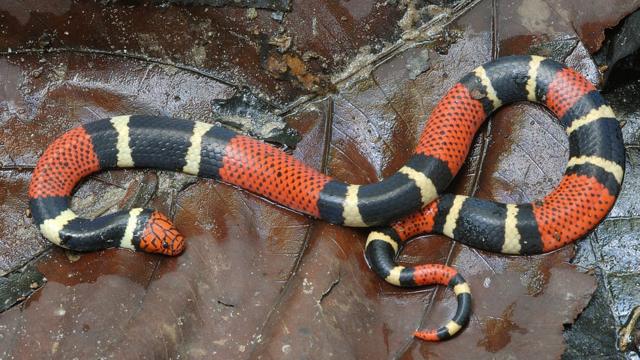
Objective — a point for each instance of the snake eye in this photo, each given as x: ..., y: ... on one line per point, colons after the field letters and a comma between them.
x: 165, y: 244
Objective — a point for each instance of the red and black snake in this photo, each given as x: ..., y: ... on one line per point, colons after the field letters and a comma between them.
x: 414, y: 194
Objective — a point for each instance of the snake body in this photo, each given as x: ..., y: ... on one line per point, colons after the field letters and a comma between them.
x: 412, y: 197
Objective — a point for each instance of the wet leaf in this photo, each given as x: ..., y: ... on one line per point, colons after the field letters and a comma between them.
x: 258, y: 280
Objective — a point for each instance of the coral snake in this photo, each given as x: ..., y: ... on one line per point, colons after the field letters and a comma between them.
x: 409, y: 202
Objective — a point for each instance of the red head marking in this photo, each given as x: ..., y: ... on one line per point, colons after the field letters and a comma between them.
x: 160, y: 236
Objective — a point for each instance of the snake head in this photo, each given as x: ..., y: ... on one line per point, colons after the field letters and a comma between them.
x: 160, y: 236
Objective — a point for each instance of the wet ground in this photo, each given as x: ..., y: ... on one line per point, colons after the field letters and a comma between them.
x: 344, y: 86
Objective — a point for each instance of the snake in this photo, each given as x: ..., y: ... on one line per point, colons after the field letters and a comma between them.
x: 399, y: 207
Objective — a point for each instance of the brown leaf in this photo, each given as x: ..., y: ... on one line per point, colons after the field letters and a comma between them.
x: 258, y: 280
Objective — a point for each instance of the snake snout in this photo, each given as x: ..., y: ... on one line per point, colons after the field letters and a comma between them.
x: 160, y: 236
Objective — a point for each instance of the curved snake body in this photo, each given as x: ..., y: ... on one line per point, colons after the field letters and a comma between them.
x: 414, y: 194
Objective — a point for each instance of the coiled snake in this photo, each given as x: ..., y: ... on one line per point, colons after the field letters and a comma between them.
x: 413, y: 197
